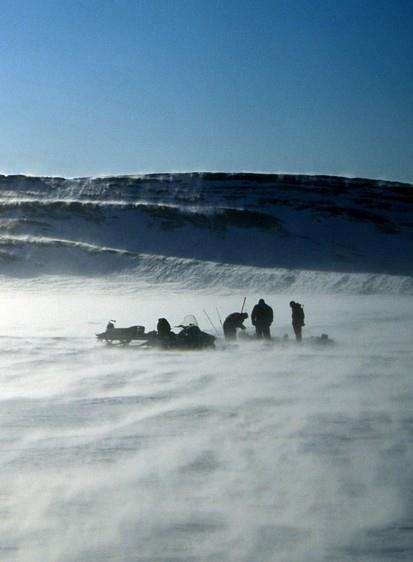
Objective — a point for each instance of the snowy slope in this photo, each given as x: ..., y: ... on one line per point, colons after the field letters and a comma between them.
x: 194, y: 226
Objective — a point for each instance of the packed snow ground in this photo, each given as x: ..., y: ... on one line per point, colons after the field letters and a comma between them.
x: 250, y: 453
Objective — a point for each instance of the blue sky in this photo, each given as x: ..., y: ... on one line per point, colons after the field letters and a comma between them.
x: 119, y: 86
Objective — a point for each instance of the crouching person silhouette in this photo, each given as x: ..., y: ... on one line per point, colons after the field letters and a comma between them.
x: 232, y: 322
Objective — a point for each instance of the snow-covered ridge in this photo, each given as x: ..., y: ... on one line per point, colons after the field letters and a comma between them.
x: 250, y: 226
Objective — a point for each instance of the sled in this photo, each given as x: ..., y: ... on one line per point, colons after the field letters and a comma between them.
x: 123, y: 335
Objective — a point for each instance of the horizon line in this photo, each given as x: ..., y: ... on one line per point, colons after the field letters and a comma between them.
x: 103, y: 175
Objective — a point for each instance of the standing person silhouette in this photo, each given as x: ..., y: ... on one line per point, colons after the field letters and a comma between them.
x: 297, y: 319
x: 261, y: 317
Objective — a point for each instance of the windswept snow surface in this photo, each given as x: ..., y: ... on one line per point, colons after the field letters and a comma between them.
x: 250, y: 452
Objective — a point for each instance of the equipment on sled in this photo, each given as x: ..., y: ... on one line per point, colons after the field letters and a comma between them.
x: 121, y: 335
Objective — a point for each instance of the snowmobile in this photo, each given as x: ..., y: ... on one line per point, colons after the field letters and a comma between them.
x: 190, y: 337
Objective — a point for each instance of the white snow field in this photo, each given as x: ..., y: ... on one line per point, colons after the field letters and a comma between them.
x: 252, y: 452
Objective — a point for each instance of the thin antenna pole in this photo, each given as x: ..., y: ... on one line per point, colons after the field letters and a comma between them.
x: 220, y: 320
x: 210, y: 321
x: 243, y: 304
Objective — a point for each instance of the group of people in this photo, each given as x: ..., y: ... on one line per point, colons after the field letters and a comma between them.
x: 262, y: 316
x: 191, y: 337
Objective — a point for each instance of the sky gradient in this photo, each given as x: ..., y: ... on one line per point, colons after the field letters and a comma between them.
x: 92, y: 87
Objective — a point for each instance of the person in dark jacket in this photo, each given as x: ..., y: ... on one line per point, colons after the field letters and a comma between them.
x: 261, y: 317
x: 166, y: 337
x: 163, y: 328
x: 232, y: 322
x: 297, y: 319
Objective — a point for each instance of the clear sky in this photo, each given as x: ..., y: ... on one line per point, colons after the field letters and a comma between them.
x: 92, y: 87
